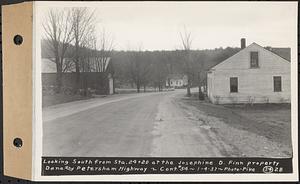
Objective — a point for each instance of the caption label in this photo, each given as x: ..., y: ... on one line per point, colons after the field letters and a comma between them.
x: 121, y: 166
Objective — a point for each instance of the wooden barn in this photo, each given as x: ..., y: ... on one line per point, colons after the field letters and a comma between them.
x: 97, y: 78
x: 255, y: 74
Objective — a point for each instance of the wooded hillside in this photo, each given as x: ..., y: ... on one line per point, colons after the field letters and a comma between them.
x: 150, y: 68
x: 141, y: 69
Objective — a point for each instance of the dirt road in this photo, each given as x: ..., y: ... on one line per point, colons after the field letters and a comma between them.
x: 153, y: 124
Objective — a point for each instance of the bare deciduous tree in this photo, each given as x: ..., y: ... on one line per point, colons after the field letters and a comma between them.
x: 95, y: 53
x: 58, y: 30
x: 146, y: 67
x: 83, y: 21
x: 159, y: 70
x: 201, y: 73
x: 135, y: 70
x: 139, y: 66
x: 186, y: 41
x: 86, y: 58
x: 104, y: 51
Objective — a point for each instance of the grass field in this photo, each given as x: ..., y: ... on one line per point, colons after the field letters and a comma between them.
x: 272, y: 121
x: 55, y: 99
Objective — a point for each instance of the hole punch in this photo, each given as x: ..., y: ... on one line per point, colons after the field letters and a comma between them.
x: 18, y: 39
x: 18, y: 142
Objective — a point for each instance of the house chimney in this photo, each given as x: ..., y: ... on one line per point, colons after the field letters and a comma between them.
x: 243, y: 43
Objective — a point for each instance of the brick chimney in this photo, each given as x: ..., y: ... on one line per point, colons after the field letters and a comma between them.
x: 243, y: 43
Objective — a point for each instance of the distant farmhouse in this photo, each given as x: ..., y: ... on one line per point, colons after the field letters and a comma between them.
x: 253, y: 75
x: 176, y: 80
x: 97, y: 77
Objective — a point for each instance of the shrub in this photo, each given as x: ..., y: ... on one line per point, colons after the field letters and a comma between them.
x: 251, y: 100
x: 267, y: 100
x: 217, y: 99
x: 233, y: 99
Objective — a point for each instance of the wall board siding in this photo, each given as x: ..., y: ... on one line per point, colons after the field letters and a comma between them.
x: 253, y: 83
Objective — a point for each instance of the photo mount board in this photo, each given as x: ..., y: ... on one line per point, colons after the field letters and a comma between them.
x: 17, y: 89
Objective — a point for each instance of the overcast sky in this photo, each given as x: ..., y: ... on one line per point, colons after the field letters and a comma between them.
x: 156, y: 25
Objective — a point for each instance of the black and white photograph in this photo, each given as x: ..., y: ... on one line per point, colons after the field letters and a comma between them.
x: 168, y: 79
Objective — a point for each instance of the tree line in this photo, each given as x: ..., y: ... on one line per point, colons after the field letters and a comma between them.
x: 71, y: 41
x: 142, y: 69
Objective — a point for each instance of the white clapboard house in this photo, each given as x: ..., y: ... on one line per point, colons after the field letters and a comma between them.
x: 255, y: 74
x: 176, y: 80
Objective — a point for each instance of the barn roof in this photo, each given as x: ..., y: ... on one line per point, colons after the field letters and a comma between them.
x: 49, y: 66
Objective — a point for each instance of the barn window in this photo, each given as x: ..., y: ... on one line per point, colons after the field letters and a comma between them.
x: 233, y: 84
x: 277, y: 83
x: 253, y: 59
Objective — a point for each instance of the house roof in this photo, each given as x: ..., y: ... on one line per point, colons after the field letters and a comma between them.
x: 175, y: 76
x: 284, y: 53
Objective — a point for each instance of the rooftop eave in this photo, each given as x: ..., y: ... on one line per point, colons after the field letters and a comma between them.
x: 211, y: 70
